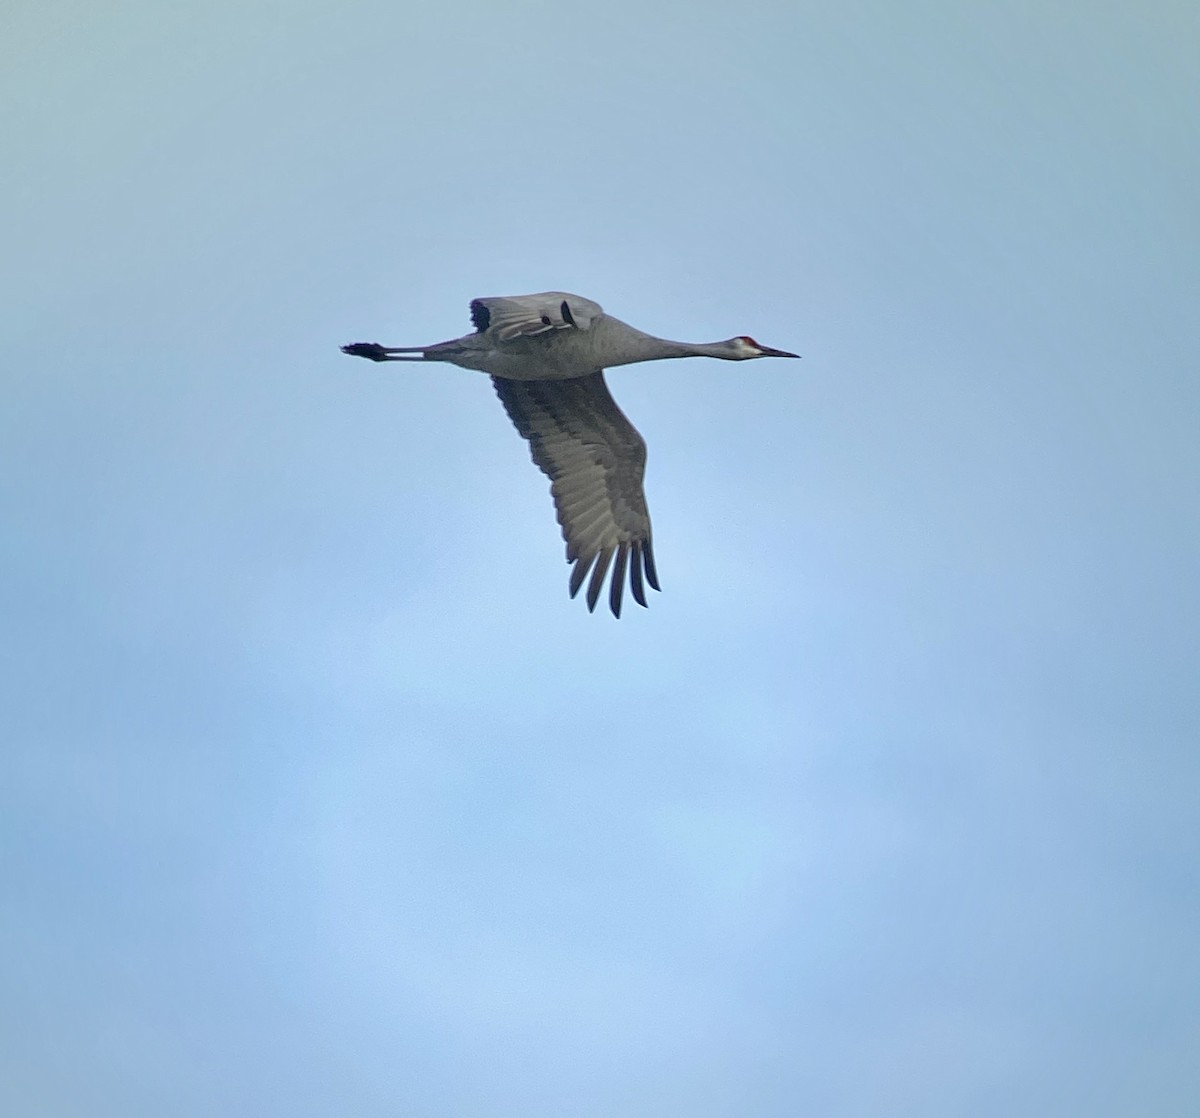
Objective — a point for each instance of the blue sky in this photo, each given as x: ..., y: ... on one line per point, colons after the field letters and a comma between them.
x: 319, y: 797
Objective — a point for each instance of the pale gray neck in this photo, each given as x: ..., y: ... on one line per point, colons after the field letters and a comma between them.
x: 626, y: 344
x: 700, y: 349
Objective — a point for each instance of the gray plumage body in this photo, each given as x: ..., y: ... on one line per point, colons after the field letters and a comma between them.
x: 561, y: 355
x: 546, y: 354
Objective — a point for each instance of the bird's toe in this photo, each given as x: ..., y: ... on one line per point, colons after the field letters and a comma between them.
x: 372, y: 351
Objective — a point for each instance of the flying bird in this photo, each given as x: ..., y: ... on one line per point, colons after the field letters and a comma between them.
x: 546, y: 354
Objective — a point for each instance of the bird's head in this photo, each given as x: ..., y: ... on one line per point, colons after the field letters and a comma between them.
x: 744, y: 347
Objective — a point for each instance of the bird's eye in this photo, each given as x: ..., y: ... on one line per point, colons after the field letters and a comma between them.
x: 546, y: 320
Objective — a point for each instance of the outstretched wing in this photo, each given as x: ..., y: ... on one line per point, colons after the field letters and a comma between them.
x: 513, y: 316
x: 595, y: 460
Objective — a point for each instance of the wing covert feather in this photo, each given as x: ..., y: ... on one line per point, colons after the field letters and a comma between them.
x: 515, y: 316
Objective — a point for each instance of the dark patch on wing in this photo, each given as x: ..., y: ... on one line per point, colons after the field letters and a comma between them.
x: 568, y: 318
x: 481, y: 317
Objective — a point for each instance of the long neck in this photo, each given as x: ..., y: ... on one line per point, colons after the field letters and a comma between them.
x: 626, y: 345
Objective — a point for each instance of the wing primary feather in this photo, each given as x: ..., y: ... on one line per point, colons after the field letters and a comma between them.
x: 597, y: 582
x: 635, y: 573
x: 651, y: 573
x: 617, y: 587
x: 582, y: 565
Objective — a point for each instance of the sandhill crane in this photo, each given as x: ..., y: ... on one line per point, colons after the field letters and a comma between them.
x: 546, y: 354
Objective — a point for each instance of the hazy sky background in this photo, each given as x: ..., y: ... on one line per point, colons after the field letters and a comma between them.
x: 318, y: 797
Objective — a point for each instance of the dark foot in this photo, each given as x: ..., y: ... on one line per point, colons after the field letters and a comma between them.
x: 372, y: 351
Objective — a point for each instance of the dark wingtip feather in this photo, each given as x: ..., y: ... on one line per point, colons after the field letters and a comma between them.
x: 481, y: 317
x: 635, y: 574
x: 651, y: 573
x: 579, y: 573
x: 617, y: 589
x: 597, y: 583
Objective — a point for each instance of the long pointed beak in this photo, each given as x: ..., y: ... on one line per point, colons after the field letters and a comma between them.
x: 766, y: 351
